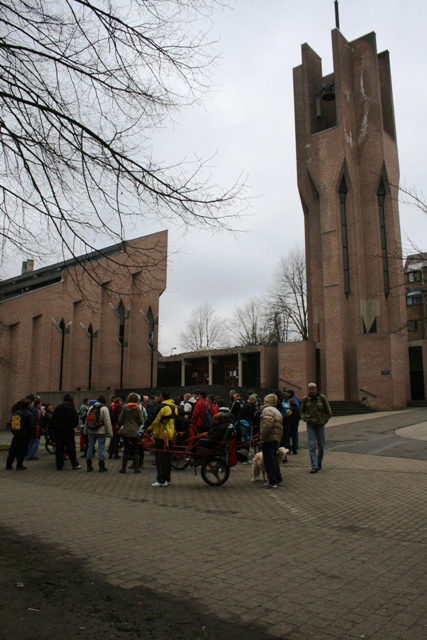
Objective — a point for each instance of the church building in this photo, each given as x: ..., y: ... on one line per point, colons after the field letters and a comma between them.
x: 348, y: 174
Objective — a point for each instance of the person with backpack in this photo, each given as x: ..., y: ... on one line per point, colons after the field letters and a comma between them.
x: 163, y: 428
x: 130, y: 421
x: 82, y: 419
x: 202, y: 415
x: 98, y: 427
x: 115, y: 411
x: 65, y: 420
x: 292, y: 422
x: 21, y: 425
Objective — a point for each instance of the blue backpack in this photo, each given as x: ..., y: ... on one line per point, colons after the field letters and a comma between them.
x: 208, y: 421
x: 286, y: 409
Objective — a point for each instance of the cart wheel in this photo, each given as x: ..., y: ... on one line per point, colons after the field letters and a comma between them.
x: 179, y: 463
x: 215, y: 471
x: 49, y: 446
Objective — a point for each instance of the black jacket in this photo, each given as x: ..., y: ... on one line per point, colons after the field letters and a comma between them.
x: 247, y: 412
x: 65, y: 417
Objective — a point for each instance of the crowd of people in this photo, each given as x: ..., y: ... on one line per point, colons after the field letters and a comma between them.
x: 275, y: 419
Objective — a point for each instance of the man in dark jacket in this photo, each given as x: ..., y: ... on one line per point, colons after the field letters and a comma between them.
x: 19, y: 444
x: 247, y: 412
x: 64, y: 420
x: 315, y: 411
x: 292, y: 422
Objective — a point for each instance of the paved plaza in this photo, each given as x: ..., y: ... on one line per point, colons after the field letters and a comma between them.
x: 339, y: 554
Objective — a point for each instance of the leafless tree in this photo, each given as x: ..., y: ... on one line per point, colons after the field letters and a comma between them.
x: 287, y: 299
x: 82, y: 87
x: 203, y: 330
x: 249, y: 324
x: 414, y: 198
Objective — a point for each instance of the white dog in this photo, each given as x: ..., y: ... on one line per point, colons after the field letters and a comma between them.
x: 258, y: 463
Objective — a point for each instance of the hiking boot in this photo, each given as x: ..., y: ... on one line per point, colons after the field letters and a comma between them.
x: 136, y: 464
x: 89, y: 466
x: 21, y: 468
x: 102, y: 466
x: 124, y: 464
x: 117, y: 457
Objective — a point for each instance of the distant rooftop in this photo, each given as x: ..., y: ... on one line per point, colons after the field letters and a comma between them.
x: 415, y: 262
x: 31, y: 280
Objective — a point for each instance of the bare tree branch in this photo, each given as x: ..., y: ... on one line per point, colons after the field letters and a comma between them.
x: 288, y: 298
x: 83, y: 85
x: 249, y: 323
x: 203, y: 330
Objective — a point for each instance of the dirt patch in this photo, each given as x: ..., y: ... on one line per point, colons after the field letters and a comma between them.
x: 46, y: 595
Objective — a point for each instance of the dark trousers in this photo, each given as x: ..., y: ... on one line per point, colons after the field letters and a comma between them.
x: 113, y: 447
x: 65, y: 440
x: 18, y: 449
x: 130, y: 447
x: 141, y: 454
x: 291, y: 438
x: 163, y: 461
x: 271, y: 465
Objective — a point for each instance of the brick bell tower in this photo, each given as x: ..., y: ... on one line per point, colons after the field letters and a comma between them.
x: 348, y: 169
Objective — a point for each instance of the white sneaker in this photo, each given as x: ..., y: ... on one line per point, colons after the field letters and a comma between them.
x: 157, y: 484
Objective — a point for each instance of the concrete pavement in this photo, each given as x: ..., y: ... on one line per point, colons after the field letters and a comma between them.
x: 339, y: 554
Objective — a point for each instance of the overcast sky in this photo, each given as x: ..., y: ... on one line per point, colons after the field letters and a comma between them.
x: 249, y: 123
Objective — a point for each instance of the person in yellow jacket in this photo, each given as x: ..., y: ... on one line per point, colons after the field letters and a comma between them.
x: 163, y: 428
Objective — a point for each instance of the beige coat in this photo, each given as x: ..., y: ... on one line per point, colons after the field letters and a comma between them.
x: 271, y: 425
x: 105, y: 428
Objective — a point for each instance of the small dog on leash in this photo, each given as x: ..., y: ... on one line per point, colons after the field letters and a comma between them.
x: 258, y: 467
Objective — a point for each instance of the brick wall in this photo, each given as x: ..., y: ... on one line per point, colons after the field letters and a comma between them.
x: 359, y: 145
x: 382, y: 360
x: 296, y: 366
x: 32, y: 340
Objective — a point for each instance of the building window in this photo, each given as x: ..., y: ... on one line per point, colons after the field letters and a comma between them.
x: 381, y: 193
x: 373, y: 328
x: 414, y: 276
x: 412, y: 325
x: 122, y: 317
x: 414, y: 297
x: 343, y: 196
